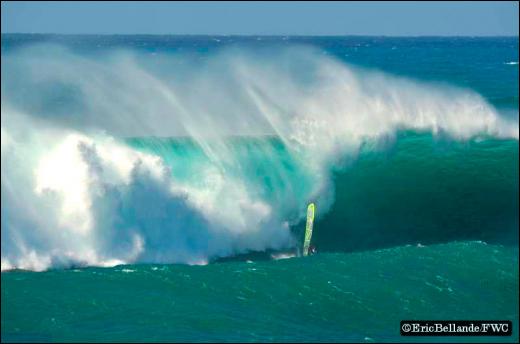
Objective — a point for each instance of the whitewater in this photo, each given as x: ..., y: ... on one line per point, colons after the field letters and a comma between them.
x: 123, y: 157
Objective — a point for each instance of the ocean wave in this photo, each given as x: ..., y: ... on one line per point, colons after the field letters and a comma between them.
x: 75, y: 192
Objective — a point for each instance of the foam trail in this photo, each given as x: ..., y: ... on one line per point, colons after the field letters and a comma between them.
x: 75, y: 193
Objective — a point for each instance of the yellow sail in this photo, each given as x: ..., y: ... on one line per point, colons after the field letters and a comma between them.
x: 308, y: 229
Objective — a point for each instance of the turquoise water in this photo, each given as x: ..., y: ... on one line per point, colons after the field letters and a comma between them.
x: 428, y: 190
x: 358, y: 297
x: 418, y: 188
x: 152, y: 184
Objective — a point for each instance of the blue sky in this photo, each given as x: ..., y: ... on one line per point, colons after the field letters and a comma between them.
x: 263, y: 18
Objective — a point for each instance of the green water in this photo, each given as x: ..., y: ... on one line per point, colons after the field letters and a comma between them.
x: 458, y: 198
x: 415, y: 190
x: 412, y: 188
x: 424, y: 189
x: 327, y: 297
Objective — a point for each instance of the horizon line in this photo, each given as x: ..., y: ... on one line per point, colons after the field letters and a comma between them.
x: 251, y: 35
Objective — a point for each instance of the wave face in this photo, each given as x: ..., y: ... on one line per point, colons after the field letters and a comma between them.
x: 123, y: 157
x: 425, y: 189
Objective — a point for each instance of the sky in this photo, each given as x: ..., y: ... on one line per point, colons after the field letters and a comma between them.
x: 399, y: 18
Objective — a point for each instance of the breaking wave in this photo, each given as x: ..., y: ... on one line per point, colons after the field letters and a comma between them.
x: 124, y: 157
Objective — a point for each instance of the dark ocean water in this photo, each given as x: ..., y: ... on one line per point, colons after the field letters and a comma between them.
x: 417, y: 203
